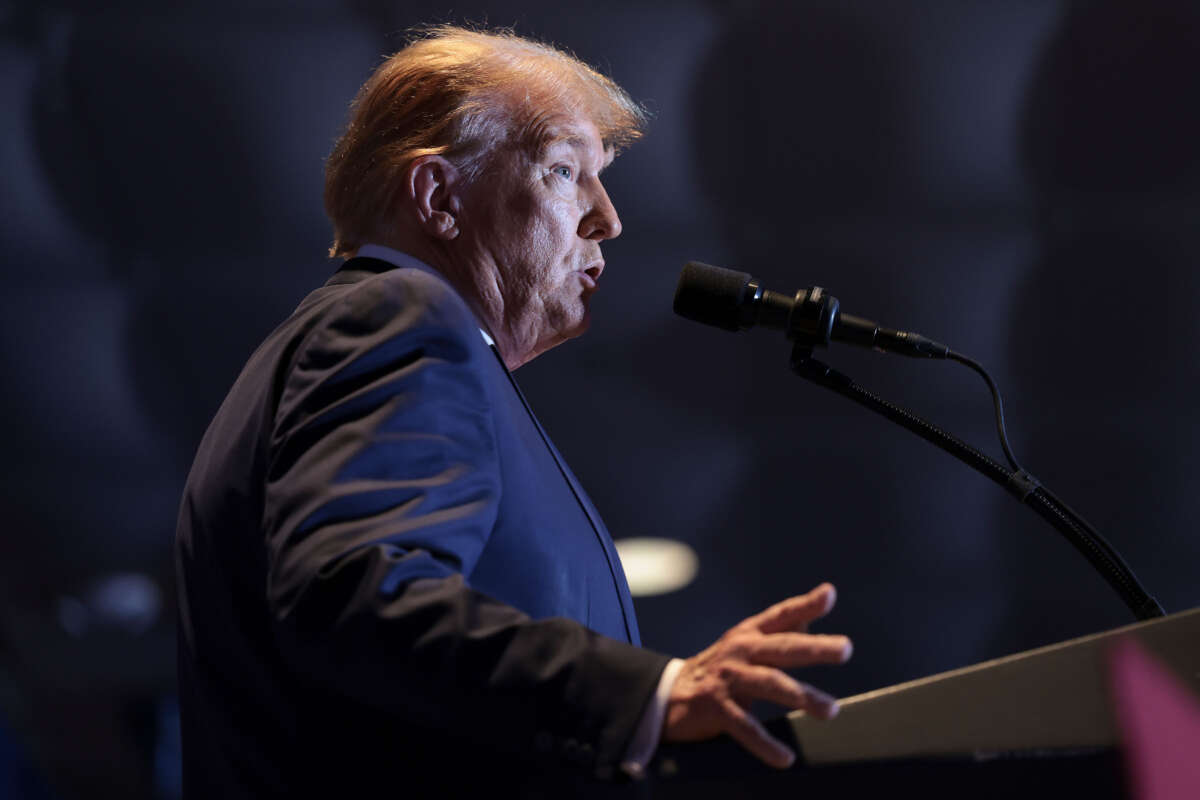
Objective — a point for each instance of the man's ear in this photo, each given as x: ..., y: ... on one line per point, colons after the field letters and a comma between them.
x: 433, y: 185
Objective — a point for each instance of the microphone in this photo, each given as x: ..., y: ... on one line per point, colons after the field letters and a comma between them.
x: 735, y: 301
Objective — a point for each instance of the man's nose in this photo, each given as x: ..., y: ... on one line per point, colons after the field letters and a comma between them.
x: 601, y: 221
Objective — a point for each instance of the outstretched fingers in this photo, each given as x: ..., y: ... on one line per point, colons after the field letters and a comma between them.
x: 753, y: 682
x: 789, y: 650
x: 795, y: 613
x: 750, y: 734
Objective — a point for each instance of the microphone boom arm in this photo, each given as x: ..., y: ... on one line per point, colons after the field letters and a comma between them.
x: 1099, y: 553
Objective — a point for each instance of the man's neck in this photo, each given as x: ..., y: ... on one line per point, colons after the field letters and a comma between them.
x: 399, y: 258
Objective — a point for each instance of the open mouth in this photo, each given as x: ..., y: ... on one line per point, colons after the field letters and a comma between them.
x: 591, y: 275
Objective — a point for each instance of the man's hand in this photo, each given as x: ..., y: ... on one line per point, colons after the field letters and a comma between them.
x: 715, y: 687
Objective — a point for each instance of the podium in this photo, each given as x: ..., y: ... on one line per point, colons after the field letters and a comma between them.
x: 1035, y: 724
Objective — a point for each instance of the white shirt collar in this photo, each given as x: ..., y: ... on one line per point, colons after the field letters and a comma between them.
x: 401, y: 259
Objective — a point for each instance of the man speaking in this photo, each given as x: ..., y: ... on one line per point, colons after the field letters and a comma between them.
x: 388, y: 577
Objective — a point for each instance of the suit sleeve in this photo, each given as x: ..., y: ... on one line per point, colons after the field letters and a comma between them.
x: 382, y: 490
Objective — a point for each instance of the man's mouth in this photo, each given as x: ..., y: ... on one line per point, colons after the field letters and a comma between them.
x: 591, y: 274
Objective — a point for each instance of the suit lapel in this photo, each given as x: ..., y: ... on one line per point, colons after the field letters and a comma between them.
x: 614, y: 563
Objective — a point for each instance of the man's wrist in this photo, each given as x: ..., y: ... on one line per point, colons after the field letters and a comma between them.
x: 645, y: 738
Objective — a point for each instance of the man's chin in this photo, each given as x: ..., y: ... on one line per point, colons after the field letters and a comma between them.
x: 577, y: 323
x: 584, y: 323
x: 564, y: 328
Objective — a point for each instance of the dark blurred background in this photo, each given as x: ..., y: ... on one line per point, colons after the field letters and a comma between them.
x: 1019, y: 179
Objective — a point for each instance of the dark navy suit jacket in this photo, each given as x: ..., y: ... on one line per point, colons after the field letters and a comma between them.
x: 388, y: 577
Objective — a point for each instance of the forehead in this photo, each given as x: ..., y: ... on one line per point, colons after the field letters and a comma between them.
x: 574, y: 132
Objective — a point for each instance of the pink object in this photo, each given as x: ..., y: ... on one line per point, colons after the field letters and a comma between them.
x: 1159, y: 722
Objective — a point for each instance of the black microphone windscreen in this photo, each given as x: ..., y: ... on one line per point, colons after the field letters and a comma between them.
x: 712, y: 295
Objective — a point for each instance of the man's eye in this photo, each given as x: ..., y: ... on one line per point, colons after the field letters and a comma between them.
x: 562, y: 170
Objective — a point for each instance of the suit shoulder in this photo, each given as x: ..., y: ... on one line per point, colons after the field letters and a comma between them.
x: 397, y: 316
x: 409, y: 296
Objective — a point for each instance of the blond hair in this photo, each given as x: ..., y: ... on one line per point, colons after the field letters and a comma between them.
x: 457, y: 93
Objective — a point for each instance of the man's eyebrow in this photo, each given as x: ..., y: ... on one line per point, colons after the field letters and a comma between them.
x: 577, y: 142
x: 573, y: 140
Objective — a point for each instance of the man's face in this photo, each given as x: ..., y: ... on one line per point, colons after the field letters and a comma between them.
x: 532, y: 225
